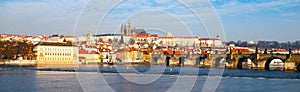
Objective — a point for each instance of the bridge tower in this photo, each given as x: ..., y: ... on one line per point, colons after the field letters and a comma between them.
x: 256, y: 57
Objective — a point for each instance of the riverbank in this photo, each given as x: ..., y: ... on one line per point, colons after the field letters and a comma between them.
x: 158, y: 70
x: 13, y: 79
x: 18, y: 62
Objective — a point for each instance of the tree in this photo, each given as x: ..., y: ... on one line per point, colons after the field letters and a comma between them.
x: 266, y: 51
x: 110, y: 41
x: 65, y: 40
x: 100, y: 40
x: 15, y: 49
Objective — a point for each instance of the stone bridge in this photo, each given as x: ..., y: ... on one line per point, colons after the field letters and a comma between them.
x: 289, y: 62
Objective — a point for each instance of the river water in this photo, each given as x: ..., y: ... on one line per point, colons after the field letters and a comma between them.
x: 143, y: 79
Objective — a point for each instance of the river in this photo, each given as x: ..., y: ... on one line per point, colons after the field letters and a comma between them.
x: 143, y: 79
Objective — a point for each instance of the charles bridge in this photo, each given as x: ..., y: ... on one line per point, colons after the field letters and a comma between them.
x: 229, y: 61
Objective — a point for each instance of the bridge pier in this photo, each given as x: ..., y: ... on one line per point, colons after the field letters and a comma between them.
x: 298, y: 67
x: 181, y: 60
x: 290, y: 66
x: 198, y: 61
x: 231, y: 64
x: 258, y: 61
x: 260, y: 65
x: 168, y: 61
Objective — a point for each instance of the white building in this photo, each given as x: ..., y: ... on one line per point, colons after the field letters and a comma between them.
x: 145, y: 38
x: 107, y: 38
x: 56, y: 53
x: 90, y: 39
x: 56, y: 38
x: 211, y: 42
x: 188, y: 41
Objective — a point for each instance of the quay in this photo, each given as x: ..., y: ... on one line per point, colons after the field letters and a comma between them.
x: 18, y: 62
x: 255, y: 61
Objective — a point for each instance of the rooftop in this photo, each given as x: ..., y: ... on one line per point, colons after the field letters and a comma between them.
x: 108, y: 35
x: 56, y: 44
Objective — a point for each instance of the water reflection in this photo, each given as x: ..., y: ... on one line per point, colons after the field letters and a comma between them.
x: 36, y: 81
x: 27, y: 79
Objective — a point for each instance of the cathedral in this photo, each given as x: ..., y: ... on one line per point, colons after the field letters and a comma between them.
x: 127, y: 30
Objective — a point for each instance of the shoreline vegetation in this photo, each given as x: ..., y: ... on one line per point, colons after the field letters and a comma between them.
x: 13, y: 50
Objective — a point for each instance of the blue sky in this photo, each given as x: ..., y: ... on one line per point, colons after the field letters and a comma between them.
x: 241, y: 19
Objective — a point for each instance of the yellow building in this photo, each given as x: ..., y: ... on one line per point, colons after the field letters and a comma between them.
x: 56, y: 54
x: 88, y: 56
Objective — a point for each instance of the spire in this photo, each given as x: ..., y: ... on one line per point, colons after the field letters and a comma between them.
x: 122, y: 40
x: 128, y: 28
x: 125, y: 29
x: 218, y: 37
x: 122, y: 29
x: 169, y: 34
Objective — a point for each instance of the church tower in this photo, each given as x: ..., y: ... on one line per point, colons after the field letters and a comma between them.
x: 169, y: 34
x: 125, y: 29
x: 89, y: 38
x: 218, y: 37
x: 122, y: 30
x: 128, y: 29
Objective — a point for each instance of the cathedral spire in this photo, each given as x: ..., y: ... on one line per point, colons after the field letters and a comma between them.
x: 128, y: 28
x: 125, y: 29
x: 169, y: 34
x: 122, y: 29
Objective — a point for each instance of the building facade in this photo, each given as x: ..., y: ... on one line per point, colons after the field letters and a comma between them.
x: 145, y: 38
x: 211, y: 42
x: 56, y: 53
x: 129, y: 30
x: 87, y: 55
x: 113, y: 38
x: 181, y: 41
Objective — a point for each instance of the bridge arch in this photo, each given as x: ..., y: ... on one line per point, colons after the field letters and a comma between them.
x: 244, y: 63
x: 220, y: 62
x: 274, y: 63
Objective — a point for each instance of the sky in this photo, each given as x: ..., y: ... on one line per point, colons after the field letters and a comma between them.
x: 245, y: 20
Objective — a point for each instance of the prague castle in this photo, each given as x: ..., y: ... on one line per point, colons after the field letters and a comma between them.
x: 127, y: 30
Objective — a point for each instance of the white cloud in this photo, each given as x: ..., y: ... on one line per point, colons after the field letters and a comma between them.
x: 288, y: 14
x: 39, y: 17
x: 134, y: 8
x: 54, y: 16
x: 236, y: 7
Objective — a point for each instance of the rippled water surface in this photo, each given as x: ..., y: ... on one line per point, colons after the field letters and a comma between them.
x: 107, y: 78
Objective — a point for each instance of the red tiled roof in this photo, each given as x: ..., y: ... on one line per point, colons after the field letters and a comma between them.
x: 68, y: 36
x: 208, y: 39
x: 81, y: 57
x: 179, y: 37
x: 146, y: 35
x: 153, y: 35
x: 13, y: 35
x: 94, y: 52
x: 90, y: 46
x: 101, y: 45
x: 280, y: 50
x: 83, y: 51
x: 29, y: 36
